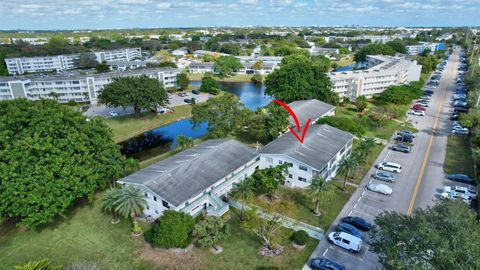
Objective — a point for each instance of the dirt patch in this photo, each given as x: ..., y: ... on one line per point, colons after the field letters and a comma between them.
x: 273, y: 200
x: 170, y: 260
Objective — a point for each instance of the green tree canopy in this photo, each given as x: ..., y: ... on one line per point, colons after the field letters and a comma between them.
x: 209, y: 85
x: 428, y: 62
x: 401, y: 94
x: 397, y: 46
x: 102, y: 67
x: 224, y: 114
x: 210, y: 231
x: 267, y: 123
x: 173, y: 230
x: 183, y: 81
x: 445, y: 236
x: 297, y: 79
x: 373, y: 49
x: 269, y: 179
x: 226, y: 65
x: 139, y: 92
x: 49, y: 157
x: 85, y: 60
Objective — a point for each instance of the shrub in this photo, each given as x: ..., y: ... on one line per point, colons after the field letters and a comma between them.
x: 173, y: 230
x: 72, y: 103
x: 300, y: 237
x: 257, y: 78
x: 401, y: 94
x: 344, y: 123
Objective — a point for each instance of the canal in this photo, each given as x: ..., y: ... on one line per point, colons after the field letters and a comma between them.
x: 163, y: 139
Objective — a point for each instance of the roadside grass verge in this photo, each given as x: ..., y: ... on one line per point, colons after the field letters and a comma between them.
x: 458, y: 157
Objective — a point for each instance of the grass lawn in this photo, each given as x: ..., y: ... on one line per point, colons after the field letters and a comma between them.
x: 233, y: 78
x: 86, y: 234
x: 125, y: 127
x: 458, y: 158
x: 295, y: 204
x: 241, y: 248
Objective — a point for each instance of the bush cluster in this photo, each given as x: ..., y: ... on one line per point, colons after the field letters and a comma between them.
x: 300, y: 237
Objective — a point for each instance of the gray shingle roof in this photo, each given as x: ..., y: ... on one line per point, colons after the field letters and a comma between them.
x: 321, y: 143
x: 188, y: 173
x: 311, y: 108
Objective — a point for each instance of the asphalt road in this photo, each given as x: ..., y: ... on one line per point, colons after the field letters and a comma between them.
x: 416, y: 186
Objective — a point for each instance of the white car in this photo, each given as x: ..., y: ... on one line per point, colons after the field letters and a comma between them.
x: 390, y: 167
x: 469, y: 191
x: 456, y: 196
x: 417, y: 112
x: 113, y: 113
x: 346, y: 241
x: 380, y: 188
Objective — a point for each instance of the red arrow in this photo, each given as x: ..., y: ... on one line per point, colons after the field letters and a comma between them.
x: 299, y: 128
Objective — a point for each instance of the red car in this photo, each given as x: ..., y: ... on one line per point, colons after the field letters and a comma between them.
x: 419, y: 108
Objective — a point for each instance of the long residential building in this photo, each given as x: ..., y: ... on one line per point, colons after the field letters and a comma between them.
x: 381, y: 72
x: 422, y: 46
x: 74, y: 86
x: 22, y: 65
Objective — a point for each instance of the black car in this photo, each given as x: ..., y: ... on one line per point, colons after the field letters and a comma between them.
x: 358, y: 222
x: 188, y: 100
x: 460, y: 110
x: 428, y: 92
x: 462, y: 178
x: 454, y: 117
x: 325, y: 264
x: 404, y: 138
x: 401, y: 148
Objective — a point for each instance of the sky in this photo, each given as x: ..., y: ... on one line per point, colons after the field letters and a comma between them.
x: 114, y: 14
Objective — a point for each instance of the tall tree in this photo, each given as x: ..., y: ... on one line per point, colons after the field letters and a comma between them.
x: 266, y: 228
x: 319, y: 191
x: 365, y: 147
x: 223, y: 114
x: 50, y: 157
x: 444, y: 236
x: 258, y: 65
x: 269, y: 179
x: 348, y: 165
x: 245, y: 190
x: 297, y: 79
x: 361, y: 103
x: 183, y: 81
x: 139, y: 92
x: 267, y: 123
x: 108, y: 200
x: 102, y: 68
x: 209, y: 85
x: 226, y: 65
x: 131, y: 202
x: 210, y: 231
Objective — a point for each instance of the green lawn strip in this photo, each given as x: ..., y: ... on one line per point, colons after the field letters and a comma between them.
x: 295, y: 204
x: 458, y: 158
x: 86, y: 234
x: 241, y: 248
x: 127, y: 126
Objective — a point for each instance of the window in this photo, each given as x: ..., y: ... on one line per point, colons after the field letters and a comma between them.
x: 290, y: 176
x: 154, y: 198
x: 165, y: 204
x: 346, y: 241
x: 280, y: 162
x: 302, y: 179
x: 303, y: 168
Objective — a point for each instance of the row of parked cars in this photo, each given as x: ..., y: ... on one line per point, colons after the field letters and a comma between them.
x: 459, y: 101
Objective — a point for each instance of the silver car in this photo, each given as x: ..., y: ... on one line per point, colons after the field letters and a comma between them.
x: 384, y: 176
x: 380, y: 188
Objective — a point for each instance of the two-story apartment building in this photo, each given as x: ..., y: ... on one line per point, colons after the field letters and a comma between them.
x: 194, y: 180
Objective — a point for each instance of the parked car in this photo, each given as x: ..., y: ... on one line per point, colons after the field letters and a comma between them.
x: 346, y: 241
x: 454, y: 117
x: 196, y: 92
x: 407, y: 139
x: 401, y: 148
x: 462, y: 178
x: 460, y: 110
x: 113, y: 113
x: 460, y: 132
x: 325, y: 264
x: 417, y: 113
x: 418, y: 108
x: 456, y: 196
x: 188, y: 100
x: 380, y: 188
x: 471, y: 192
x: 405, y: 132
x: 384, y: 176
x: 358, y: 222
x: 390, y: 167
x: 422, y: 104
x: 348, y: 228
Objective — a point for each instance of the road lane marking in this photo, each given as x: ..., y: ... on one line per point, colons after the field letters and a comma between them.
x: 427, y: 153
x: 355, y: 205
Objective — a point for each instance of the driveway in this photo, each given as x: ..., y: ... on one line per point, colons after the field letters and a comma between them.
x: 411, y: 188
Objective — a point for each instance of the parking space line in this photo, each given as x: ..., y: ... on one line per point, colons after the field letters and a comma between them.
x: 349, y: 214
x: 346, y: 253
x: 355, y: 205
x: 325, y: 253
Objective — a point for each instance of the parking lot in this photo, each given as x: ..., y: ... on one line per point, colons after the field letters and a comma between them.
x: 416, y: 186
x: 173, y: 99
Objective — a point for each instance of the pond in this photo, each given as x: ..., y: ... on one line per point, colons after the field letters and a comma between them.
x: 163, y: 139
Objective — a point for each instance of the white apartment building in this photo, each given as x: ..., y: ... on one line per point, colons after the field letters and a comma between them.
x: 274, y: 60
x: 382, y: 72
x: 418, y: 49
x: 22, y: 65
x: 74, y: 86
x: 320, y: 154
x: 201, y: 67
x: 194, y: 180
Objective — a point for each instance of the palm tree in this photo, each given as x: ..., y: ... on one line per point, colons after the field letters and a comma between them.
x: 347, y: 165
x: 245, y: 189
x: 108, y: 203
x: 319, y: 191
x: 365, y: 147
x: 37, y: 265
x: 184, y: 142
x: 131, y: 202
